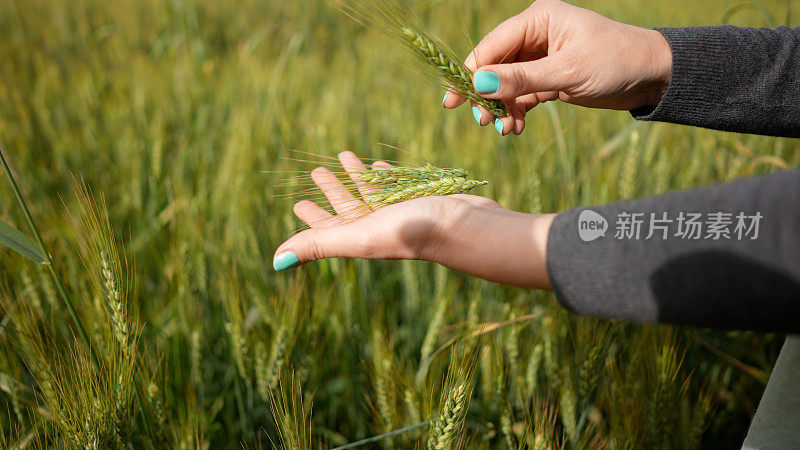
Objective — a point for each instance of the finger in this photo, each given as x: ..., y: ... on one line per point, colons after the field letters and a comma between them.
x: 504, y: 125
x: 352, y: 240
x: 341, y: 199
x: 519, y: 126
x: 314, y: 244
x: 551, y: 73
x: 503, y: 43
x: 518, y: 117
x: 529, y: 101
x: 481, y: 115
x: 313, y: 215
x: 354, y: 167
x: 521, y: 105
x: 453, y: 99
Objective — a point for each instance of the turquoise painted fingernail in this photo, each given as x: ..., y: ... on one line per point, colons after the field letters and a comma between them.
x: 444, y: 99
x: 498, y: 125
x: 285, y: 261
x: 486, y: 82
x: 476, y: 113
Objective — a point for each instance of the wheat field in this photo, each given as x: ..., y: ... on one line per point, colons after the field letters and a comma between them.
x: 140, y: 132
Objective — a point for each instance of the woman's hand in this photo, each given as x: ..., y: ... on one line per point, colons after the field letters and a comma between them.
x: 554, y: 50
x: 468, y: 233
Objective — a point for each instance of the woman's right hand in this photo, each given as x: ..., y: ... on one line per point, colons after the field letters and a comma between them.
x: 554, y: 50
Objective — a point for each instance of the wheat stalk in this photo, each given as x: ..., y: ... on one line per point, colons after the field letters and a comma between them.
x: 411, y: 288
x: 384, y: 382
x: 450, y: 418
x: 439, y: 316
x: 411, y: 406
x: 456, y: 393
x: 594, y: 341
x: 568, y: 404
x: 157, y: 408
x: 268, y: 369
x: 195, y: 357
x: 506, y: 427
x: 532, y: 371
x: 512, y: 350
x: 239, y: 347
x: 448, y: 68
x: 399, y: 24
x: 115, y: 303
x: 291, y: 414
x: 235, y: 327
x: 384, y: 393
x: 629, y: 172
x: 32, y: 293
x: 277, y: 358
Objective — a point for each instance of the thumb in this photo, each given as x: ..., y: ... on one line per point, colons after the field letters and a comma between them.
x: 511, y: 80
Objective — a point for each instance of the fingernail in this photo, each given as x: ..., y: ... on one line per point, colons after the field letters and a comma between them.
x: 476, y: 113
x: 498, y: 125
x: 486, y: 82
x: 444, y: 99
x: 285, y: 261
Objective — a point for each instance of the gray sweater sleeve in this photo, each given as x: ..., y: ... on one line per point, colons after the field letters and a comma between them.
x: 725, y: 256
x: 733, y: 79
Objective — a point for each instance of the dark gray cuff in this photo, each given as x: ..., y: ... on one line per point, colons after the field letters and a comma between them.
x: 733, y: 79
x: 730, y: 282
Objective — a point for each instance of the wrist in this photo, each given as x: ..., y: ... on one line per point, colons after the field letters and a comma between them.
x: 541, y: 231
x: 497, y: 245
x: 661, y: 64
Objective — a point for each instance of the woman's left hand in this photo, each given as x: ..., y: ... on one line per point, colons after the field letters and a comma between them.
x: 468, y: 233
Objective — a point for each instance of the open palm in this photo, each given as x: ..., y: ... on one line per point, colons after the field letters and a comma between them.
x: 464, y: 232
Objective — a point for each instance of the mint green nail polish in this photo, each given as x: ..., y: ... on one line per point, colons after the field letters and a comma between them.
x: 444, y: 99
x: 285, y: 261
x: 476, y: 113
x: 498, y: 125
x: 486, y: 82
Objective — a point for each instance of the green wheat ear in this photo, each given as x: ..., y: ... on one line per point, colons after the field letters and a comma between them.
x: 399, y: 23
x: 452, y: 71
x: 398, y: 184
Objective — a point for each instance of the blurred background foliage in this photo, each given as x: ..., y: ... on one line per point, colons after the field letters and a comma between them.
x: 171, y: 110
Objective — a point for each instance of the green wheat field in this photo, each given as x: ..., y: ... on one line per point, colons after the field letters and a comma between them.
x: 139, y: 132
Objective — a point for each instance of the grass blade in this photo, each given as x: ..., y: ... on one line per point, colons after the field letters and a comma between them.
x: 20, y: 243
